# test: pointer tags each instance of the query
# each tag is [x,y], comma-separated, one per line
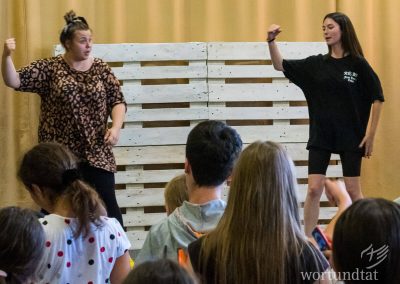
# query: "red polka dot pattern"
[60,253]
[48,244]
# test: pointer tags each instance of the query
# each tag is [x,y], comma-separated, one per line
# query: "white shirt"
[80,260]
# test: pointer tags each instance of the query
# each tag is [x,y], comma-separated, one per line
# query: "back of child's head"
[366,240]
[21,244]
[162,271]
[55,170]
[212,148]
[175,193]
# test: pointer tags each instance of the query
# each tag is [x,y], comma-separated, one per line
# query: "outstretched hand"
[9,46]
[273,32]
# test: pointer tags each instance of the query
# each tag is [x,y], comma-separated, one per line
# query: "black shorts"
[318,161]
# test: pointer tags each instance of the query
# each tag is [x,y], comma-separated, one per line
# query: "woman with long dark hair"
[340,87]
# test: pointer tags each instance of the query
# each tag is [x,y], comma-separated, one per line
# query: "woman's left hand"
[368,142]
[112,136]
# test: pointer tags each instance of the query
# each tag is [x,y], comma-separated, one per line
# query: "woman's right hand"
[273,32]
[9,46]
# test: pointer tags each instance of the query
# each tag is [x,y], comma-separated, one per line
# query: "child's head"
[50,172]
[162,271]
[366,239]
[21,243]
[212,148]
[175,193]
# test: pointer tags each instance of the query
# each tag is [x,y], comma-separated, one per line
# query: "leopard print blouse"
[75,106]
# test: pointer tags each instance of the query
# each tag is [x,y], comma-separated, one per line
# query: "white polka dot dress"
[80,260]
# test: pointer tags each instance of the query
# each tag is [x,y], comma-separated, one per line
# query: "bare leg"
[337,191]
[353,187]
[311,205]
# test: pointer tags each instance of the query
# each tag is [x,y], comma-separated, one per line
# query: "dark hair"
[73,24]
[53,168]
[212,148]
[162,271]
[349,38]
[366,226]
[21,243]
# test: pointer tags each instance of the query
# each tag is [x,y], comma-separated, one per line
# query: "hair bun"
[70,17]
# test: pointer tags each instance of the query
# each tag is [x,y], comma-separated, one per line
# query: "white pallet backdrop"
[170,87]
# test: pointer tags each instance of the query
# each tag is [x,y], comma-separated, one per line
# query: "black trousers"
[104,183]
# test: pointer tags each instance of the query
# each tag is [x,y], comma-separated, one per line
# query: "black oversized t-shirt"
[339,94]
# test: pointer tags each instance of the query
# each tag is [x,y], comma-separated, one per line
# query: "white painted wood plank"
[136,238]
[178,135]
[142,94]
[259,50]
[280,134]
[174,154]
[149,219]
[140,197]
[166,114]
[150,176]
[150,155]
[153,136]
[255,92]
[249,113]
[136,219]
[160,72]
[143,219]
[161,176]
[121,52]
[243,71]
[155,196]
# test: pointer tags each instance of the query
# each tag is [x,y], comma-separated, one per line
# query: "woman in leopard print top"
[78,93]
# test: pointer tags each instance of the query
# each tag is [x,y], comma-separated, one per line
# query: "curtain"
[36,25]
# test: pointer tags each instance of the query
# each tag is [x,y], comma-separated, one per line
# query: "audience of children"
[255,237]
[211,151]
[81,245]
[259,237]
[22,242]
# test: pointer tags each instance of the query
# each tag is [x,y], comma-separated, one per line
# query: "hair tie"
[69,176]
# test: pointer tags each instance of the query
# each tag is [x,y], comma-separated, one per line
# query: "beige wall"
[36,25]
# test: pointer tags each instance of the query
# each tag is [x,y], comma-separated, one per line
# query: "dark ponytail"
[86,206]
[73,23]
[53,168]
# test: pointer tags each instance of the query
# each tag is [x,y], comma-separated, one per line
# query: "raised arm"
[276,56]
[10,75]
